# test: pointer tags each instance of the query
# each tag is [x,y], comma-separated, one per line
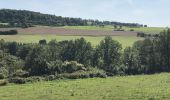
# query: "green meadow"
[124,40]
[142,87]
[151,30]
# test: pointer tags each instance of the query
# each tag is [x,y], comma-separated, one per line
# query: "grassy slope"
[145,87]
[124,40]
[110,28]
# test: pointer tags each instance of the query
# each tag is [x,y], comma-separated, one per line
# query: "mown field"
[95,40]
[151,30]
[142,87]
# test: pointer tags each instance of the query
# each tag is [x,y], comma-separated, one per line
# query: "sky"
[151,12]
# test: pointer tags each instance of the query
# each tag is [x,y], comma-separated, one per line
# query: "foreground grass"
[151,30]
[124,40]
[145,87]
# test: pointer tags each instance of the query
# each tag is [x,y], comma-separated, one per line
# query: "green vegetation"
[10,32]
[150,30]
[23,18]
[47,62]
[78,59]
[94,40]
[145,87]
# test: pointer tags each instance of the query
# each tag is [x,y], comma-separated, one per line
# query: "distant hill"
[37,18]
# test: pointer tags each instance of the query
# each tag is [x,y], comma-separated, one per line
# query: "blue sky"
[150,12]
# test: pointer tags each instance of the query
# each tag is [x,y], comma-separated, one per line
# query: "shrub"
[43,42]
[75,75]
[10,32]
[21,73]
[91,73]
[94,72]
[3,72]
[132,30]
[3,82]
[2,76]
[17,80]
[50,77]
[34,79]
[141,34]
[70,67]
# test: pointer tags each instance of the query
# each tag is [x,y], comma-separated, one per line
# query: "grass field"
[142,87]
[151,30]
[124,40]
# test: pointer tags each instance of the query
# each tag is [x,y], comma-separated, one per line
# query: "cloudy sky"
[150,12]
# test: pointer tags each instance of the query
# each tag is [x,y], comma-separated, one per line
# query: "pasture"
[144,87]
[95,40]
[151,30]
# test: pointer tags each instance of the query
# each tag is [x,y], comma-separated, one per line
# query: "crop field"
[144,87]
[45,30]
[95,40]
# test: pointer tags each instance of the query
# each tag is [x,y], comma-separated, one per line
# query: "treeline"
[78,59]
[22,17]
[145,35]
[10,32]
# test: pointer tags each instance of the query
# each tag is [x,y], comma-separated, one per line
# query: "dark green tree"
[110,53]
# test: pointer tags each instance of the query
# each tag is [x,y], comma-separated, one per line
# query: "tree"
[132,62]
[37,61]
[9,63]
[145,25]
[79,50]
[164,48]
[24,50]
[12,48]
[43,42]
[109,53]
[115,27]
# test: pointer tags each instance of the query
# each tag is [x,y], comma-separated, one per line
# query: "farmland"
[151,30]
[84,50]
[87,30]
[34,34]
[46,30]
[145,87]
[95,40]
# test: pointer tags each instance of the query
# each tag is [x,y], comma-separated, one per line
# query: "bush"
[141,34]
[91,73]
[43,42]
[10,32]
[17,80]
[94,72]
[132,30]
[2,76]
[70,67]
[50,78]
[3,72]
[3,82]
[21,73]
[34,79]
[75,75]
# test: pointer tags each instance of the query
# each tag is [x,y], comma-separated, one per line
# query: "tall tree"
[110,53]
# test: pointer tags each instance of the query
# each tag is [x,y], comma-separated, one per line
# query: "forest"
[73,59]
[24,18]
